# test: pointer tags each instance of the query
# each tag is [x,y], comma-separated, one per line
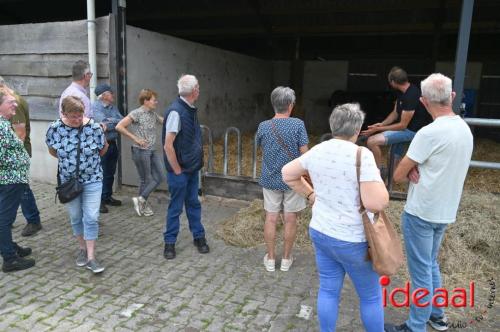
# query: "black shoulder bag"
[70,189]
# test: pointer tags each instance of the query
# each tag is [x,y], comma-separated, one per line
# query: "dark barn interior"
[371,35]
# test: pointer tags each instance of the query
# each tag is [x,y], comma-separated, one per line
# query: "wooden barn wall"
[36,59]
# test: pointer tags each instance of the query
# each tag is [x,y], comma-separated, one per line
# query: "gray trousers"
[150,169]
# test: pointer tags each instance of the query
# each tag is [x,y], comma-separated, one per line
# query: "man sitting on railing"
[407,117]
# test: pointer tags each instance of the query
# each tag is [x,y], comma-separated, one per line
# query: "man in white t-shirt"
[436,165]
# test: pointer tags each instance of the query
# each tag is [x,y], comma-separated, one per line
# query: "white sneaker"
[286,264]
[147,211]
[137,205]
[270,264]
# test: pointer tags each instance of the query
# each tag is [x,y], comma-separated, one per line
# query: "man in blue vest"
[181,137]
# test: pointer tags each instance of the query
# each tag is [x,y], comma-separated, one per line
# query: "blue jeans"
[398,136]
[183,190]
[108,163]
[422,242]
[150,169]
[84,211]
[333,259]
[29,208]
[10,198]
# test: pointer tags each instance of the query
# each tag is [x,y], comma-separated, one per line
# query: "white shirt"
[332,167]
[443,151]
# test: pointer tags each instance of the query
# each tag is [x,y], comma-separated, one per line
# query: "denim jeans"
[10,198]
[183,190]
[397,138]
[29,208]
[333,259]
[150,169]
[422,242]
[84,211]
[108,163]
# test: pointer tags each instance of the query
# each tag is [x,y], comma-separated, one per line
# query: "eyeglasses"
[89,73]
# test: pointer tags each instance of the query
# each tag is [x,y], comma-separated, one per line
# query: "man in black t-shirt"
[407,117]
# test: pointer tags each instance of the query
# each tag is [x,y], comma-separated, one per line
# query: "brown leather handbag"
[384,244]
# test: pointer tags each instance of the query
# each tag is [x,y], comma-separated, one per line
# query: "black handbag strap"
[281,141]
[77,158]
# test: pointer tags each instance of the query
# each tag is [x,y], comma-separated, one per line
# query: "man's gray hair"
[186,85]
[437,89]
[281,98]
[346,120]
[79,69]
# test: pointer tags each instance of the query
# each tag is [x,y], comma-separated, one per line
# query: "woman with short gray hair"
[282,139]
[336,227]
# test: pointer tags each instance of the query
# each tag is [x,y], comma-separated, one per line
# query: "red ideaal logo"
[458,297]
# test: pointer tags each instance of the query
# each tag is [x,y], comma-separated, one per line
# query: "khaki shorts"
[287,201]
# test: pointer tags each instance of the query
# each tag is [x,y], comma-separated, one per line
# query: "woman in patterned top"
[62,139]
[282,139]
[144,123]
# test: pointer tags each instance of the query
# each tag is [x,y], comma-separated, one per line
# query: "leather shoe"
[18,264]
[202,245]
[111,201]
[103,208]
[169,252]
[22,252]
[31,229]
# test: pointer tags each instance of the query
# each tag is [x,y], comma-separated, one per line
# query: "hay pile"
[469,251]
[484,180]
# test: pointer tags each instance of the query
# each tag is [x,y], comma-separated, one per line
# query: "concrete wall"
[36,61]
[234,88]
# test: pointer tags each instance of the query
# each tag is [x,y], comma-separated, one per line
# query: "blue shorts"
[398,136]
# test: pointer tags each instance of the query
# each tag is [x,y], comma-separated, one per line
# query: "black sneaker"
[169,252]
[202,245]
[438,323]
[103,208]
[22,252]
[393,328]
[111,201]
[31,229]
[18,264]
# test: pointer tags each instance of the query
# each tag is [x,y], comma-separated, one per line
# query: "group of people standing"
[84,140]
[435,164]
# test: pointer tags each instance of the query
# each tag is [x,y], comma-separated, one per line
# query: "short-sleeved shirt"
[332,168]
[274,156]
[64,140]
[14,160]
[443,152]
[144,125]
[410,101]
[76,90]
[23,116]
[173,124]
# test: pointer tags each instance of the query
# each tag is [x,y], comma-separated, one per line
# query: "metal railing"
[226,157]
[479,122]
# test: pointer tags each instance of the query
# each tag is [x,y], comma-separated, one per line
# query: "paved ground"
[226,290]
